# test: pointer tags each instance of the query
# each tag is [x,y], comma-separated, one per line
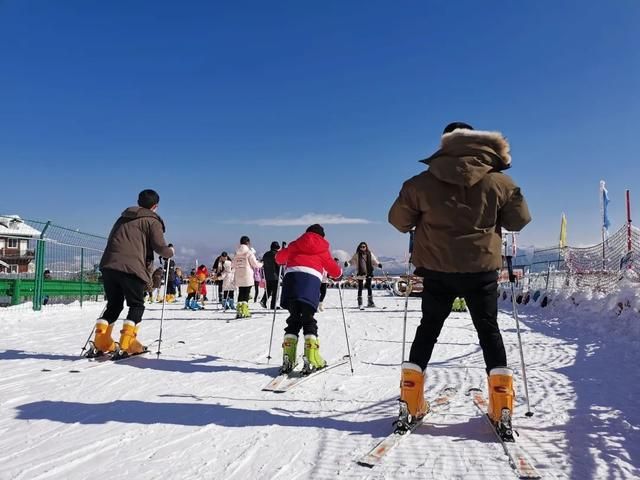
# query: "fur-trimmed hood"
[465,156]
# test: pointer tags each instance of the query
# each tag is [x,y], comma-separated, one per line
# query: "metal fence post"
[81,275]
[39,273]
[15,292]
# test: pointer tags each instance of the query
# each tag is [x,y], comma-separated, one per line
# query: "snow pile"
[617,311]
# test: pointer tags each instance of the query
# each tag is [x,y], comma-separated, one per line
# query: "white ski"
[284,383]
[377,453]
[518,457]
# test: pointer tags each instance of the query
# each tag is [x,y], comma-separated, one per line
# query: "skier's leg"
[311,343]
[369,293]
[272,287]
[437,301]
[290,342]
[115,303]
[244,294]
[133,288]
[360,285]
[294,321]
[482,301]
[256,293]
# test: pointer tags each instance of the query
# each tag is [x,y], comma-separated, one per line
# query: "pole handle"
[512,276]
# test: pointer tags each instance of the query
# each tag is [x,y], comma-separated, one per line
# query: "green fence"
[52,264]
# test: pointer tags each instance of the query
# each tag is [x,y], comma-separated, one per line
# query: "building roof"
[14,226]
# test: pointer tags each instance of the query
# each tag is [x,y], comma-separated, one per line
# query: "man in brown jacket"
[458,208]
[125,267]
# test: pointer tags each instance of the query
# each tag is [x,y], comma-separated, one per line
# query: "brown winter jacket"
[134,237]
[459,205]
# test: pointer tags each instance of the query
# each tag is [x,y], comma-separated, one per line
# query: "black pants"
[256,285]
[244,294]
[301,317]
[179,289]
[366,284]
[270,290]
[118,287]
[480,292]
[219,282]
[323,291]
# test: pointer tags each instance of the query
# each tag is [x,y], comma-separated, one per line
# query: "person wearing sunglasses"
[364,261]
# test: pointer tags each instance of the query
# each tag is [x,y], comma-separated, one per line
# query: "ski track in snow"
[198,411]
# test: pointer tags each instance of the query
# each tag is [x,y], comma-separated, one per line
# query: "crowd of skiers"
[456,210]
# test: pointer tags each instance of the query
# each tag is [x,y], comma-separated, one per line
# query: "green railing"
[64,266]
[21,290]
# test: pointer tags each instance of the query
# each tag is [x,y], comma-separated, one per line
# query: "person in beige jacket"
[125,266]
[458,208]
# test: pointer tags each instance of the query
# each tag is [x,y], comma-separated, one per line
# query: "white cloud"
[306,219]
[186,252]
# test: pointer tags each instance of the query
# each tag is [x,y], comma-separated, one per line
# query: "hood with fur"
[465,156]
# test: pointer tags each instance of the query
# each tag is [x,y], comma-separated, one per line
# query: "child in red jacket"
[306,259]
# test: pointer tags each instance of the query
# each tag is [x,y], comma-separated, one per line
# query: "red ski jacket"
[309,254]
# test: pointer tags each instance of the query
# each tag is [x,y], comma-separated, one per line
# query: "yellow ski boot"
[501,395]
[312,358]
[102,341]
[129,344]
[412,403]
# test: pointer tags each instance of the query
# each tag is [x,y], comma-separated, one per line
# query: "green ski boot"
[289,347]
[312,359]
[459,305]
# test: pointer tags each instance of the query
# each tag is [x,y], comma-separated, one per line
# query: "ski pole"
[92,332]
[275,307]
[166,280]
[407,292]
[344,322]
[88,340]
[512,280]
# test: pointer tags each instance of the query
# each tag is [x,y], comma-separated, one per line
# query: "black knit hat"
[316,228]
[455,126]
[275,246]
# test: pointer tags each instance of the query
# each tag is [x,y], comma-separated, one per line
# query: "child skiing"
[228,285]
[125,266]
[306,259]
[193,287]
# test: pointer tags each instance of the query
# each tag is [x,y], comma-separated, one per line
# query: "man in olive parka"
[458,208]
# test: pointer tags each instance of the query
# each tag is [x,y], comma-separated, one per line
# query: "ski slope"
[199,412]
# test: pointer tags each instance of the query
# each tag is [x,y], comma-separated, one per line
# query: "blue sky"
[244,111]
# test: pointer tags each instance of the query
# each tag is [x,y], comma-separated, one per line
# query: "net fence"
[44,264]
[598,268]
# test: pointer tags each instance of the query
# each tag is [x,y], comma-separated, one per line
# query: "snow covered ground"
[199,412]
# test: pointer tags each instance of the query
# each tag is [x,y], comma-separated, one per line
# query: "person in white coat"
[228,286]
[243,264]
